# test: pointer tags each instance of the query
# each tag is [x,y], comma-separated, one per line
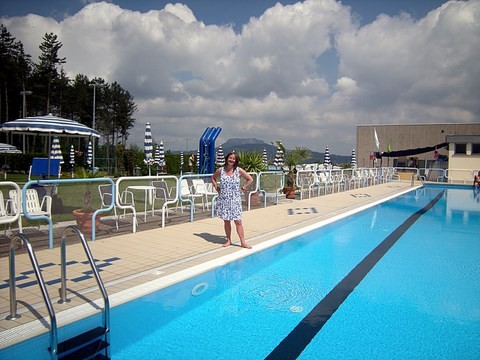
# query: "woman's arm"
[246,176]
[214,180]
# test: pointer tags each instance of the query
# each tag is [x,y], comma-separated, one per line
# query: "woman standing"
[229,203]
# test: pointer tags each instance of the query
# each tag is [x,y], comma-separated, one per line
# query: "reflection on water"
[462,205]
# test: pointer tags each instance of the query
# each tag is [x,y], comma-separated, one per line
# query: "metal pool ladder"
[94,343]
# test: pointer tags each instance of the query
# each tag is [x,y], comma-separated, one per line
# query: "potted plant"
[83,216]
[292,158]
[251,162]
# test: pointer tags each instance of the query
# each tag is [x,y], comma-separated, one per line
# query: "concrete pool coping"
[133,265]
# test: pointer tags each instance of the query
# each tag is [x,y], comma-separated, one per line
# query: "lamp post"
[24,108]
[186,145]
[94,86]
[24,94]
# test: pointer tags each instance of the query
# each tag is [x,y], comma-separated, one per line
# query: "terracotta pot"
[289,192]
[84,220]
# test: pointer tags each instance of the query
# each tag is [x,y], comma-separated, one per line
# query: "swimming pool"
[399,280]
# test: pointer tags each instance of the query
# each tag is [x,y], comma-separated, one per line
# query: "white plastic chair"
[188,193]
[205,189]
[5,217]
[164,194]
[32,204]
[105,192]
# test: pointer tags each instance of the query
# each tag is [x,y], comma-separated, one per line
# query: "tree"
[77,104]
[114,115]
[292,159]
[15,68]
[46,70]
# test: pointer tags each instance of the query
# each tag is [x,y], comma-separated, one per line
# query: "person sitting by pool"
[476,180]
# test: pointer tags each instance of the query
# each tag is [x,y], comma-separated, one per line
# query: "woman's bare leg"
[228,232]
[241,234]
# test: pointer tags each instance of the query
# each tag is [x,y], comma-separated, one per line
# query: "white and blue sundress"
[229,203]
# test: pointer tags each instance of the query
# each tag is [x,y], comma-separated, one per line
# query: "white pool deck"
[133,265]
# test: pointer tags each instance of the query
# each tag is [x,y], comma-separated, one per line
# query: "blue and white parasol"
[279,158]
[148,148]
[264,158]
[220,157]
[326,161]
[48,124]
[89,155]
[56,151]
[353,162]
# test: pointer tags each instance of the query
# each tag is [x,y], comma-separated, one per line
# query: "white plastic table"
[148,195]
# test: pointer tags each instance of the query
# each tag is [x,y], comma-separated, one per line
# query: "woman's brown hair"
[236,159]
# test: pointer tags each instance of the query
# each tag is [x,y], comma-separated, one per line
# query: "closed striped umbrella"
[353,162]
[161,150]
[181,162]
[156,158]
[148,148]
[279,159]
[220,157]
[72,159]
[198,160]
[157,155]
[56,151]
[89,154]
[326,161]
[264,158]
[72,155]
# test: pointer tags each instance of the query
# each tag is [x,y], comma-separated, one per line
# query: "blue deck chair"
[39,168]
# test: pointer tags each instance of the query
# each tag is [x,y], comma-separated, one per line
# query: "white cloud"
[265,82]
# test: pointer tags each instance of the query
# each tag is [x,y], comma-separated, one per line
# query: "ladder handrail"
[41,283]
[101,286]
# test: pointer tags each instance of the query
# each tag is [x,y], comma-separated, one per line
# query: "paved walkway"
[132,265]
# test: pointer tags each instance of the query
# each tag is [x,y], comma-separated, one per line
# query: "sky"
[306,73]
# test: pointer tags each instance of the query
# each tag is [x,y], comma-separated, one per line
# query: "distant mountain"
[252,144]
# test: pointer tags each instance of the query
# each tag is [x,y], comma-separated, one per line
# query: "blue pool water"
[418,293]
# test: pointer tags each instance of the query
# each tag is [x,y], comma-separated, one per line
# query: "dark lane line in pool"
[294,343]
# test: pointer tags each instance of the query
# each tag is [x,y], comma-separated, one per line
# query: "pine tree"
[46,70]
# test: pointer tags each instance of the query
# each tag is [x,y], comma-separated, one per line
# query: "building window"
[475,148]
[460,148]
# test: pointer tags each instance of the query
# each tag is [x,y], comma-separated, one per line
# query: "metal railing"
[58,182]
[41,283]
[93,266]
[271,184]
